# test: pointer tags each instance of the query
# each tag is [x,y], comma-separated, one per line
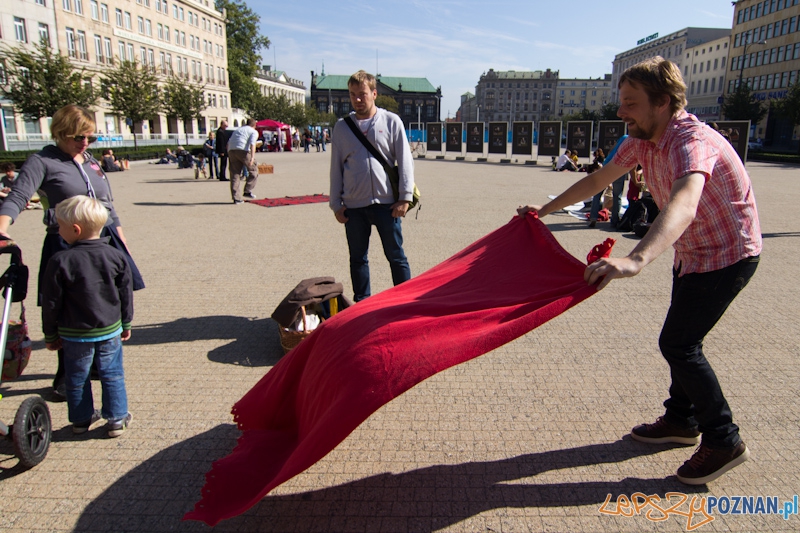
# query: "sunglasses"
[81,138]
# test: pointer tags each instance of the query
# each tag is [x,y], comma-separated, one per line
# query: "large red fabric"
[495,290]
[291,200]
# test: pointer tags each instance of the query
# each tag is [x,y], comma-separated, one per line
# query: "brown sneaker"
[707,464]
[662,432]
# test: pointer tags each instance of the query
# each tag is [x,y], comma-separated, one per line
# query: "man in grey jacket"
[361,194]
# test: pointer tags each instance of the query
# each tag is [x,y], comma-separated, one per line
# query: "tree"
[132,92]
[609,111]
[387,102]
[742,105]
[789,106]
[243,47]
[183,101]
[42,81]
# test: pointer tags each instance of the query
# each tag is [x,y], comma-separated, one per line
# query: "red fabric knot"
[600,250]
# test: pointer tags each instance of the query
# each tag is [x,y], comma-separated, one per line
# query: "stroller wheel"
[31,432]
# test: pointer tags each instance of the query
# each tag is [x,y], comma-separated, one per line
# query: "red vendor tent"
[274,125]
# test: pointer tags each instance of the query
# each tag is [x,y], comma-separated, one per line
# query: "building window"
[82,52]
[94,9]
[20,31]
[148,28]
[118,15]
[71,43]
[44,34]
[104,13]
[167,34]
[41,3]
[79,7]
[67,5]
[98,49]
[140,24]
[131,57]
[128,24]
[108,49]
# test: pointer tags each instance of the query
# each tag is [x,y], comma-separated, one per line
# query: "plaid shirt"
[726,228]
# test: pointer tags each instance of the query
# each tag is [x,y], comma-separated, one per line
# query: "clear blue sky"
[453,42]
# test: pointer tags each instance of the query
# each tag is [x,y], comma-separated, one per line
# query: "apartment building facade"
[576,94]
[186,38]
[509,96]
[704,72]
[672,46]
[765,54]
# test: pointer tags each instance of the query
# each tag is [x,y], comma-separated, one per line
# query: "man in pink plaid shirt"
[708,215]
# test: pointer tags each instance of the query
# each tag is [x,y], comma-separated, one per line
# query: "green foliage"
[609,111]
[243,48]
[183,100]
[583,114]
[388,103]
[132,92]
[742,105]
[42,81]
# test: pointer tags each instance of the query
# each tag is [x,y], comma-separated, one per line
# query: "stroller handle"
[8,246]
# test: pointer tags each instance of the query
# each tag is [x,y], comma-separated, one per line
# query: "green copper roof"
[415,85]
[333,82]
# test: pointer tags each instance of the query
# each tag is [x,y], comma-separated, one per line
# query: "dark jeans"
[358,229]
[223,166]
[695,397]
[597,201]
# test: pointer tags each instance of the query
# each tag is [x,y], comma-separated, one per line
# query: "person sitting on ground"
[109,162]
[8,169]
[89,323]
[565,162]
[185,159]
[169,157]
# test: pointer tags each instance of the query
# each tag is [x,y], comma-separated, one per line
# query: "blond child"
[87,308]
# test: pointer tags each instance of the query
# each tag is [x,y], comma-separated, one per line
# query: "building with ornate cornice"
[509,95]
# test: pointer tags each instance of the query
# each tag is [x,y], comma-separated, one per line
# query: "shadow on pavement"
[154,496]
[254,342]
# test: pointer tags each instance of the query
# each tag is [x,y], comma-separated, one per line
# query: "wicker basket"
[265,169]
[291,338]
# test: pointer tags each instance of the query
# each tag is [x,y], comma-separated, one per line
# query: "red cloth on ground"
[495,290]
[291,200]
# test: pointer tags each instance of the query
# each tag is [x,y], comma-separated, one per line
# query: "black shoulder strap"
[368,145]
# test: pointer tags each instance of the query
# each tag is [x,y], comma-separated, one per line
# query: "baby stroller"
[32,428]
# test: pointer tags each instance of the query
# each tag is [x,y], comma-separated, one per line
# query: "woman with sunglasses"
[60,172]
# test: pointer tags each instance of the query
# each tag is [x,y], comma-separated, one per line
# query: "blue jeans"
[695,397]
[597,201]
[78,358]
[358,229]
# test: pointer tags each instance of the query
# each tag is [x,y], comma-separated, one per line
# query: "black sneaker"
[237,202]
[707,464]
[249,195]
[115,429]
[662,432]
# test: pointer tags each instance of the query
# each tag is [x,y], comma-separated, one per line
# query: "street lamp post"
[744,57]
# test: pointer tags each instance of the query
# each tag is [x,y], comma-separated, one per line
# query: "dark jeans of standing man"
[695,397]
[223,167]
[358,229]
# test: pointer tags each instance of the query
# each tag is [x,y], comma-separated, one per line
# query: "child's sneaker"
[83,427]
[115,429]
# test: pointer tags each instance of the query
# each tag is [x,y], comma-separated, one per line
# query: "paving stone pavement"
[530,437]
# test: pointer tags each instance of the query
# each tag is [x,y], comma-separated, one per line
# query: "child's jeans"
[78,357]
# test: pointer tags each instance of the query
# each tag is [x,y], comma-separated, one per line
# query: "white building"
[704,72]
[277,83]
[186,38]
